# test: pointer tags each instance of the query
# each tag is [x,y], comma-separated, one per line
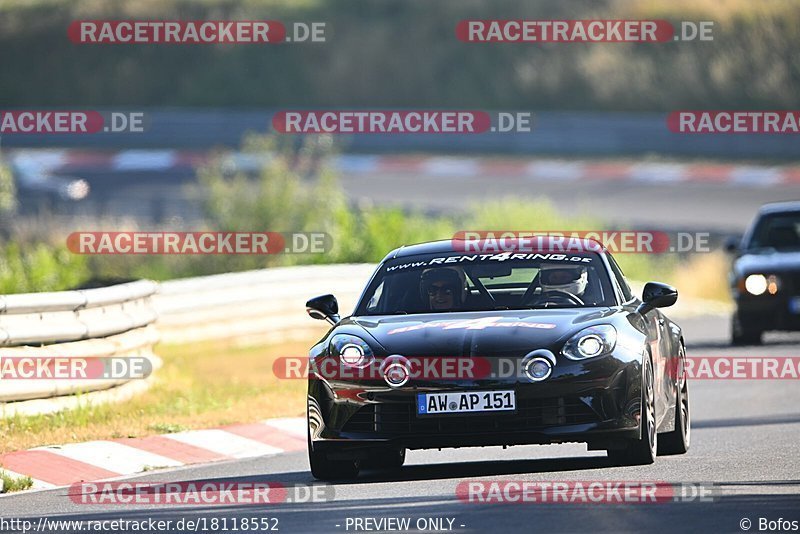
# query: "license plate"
[466,402]
[794,304]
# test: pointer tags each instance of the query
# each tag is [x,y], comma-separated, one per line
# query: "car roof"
[779,207]
[451,245]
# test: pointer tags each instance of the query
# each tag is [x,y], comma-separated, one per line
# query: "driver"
[572,279]
[443,288]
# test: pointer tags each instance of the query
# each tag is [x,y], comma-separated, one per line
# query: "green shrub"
[9,483]
[29,267]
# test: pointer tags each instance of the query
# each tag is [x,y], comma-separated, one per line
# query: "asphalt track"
[744,442]
[701,206]
[697,206]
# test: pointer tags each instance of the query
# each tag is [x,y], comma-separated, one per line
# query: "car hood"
[497,333]
[767,262]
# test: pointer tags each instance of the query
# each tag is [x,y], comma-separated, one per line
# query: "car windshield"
[482,282]
[779,231]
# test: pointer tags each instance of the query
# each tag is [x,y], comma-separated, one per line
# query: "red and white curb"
[65,161]
[62,465]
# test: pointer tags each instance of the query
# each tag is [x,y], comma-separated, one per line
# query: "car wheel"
[677,441]
[744,335]
[323,468]
[389,459]
[641,451]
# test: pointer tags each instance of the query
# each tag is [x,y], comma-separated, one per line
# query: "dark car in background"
[765,275]
[594,364]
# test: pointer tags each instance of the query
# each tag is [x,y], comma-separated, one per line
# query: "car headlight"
[351,350]
[758,284]
[591,342]
[755,284]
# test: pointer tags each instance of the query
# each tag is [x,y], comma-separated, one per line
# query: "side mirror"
[657,295]
[731,245]
[325,308]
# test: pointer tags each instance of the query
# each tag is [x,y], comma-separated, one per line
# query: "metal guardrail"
[114,321]
[134,343]
[254,306]
[46,318]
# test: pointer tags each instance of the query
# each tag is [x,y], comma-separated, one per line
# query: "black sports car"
[765,278]
[562,352]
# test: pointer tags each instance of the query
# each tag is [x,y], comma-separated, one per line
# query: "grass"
[703,276]
[167,428]
[200,386]
[13,483]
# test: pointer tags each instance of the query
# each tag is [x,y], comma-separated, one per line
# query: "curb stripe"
[152,160]
[603,171]
[138,160]
[294,426]
[112,456]
[708,172]
[181,452]
[52,468]
[265,434]
[444,166]
[556,171]
[657,172]
[758,176]
[55,466]
[223,442]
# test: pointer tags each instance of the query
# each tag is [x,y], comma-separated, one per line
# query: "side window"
[376,298]
[627,294]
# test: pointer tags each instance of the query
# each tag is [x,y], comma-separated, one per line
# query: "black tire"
[389,459]
[678,441]
[641,451]
[323,468]
[744,335]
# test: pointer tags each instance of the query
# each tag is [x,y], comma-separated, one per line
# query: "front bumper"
[596,402]
[768,312]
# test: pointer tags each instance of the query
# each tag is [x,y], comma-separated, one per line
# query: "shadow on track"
[747,421]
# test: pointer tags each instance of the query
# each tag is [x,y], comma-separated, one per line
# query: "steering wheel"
[556,295]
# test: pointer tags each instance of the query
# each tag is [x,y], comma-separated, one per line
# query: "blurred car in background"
[765,275]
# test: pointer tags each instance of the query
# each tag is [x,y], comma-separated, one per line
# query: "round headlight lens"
[590,346]
[591,342]
[351,350]
[755,284]
[352,355]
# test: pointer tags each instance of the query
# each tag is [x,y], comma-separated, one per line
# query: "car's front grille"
[401,418]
